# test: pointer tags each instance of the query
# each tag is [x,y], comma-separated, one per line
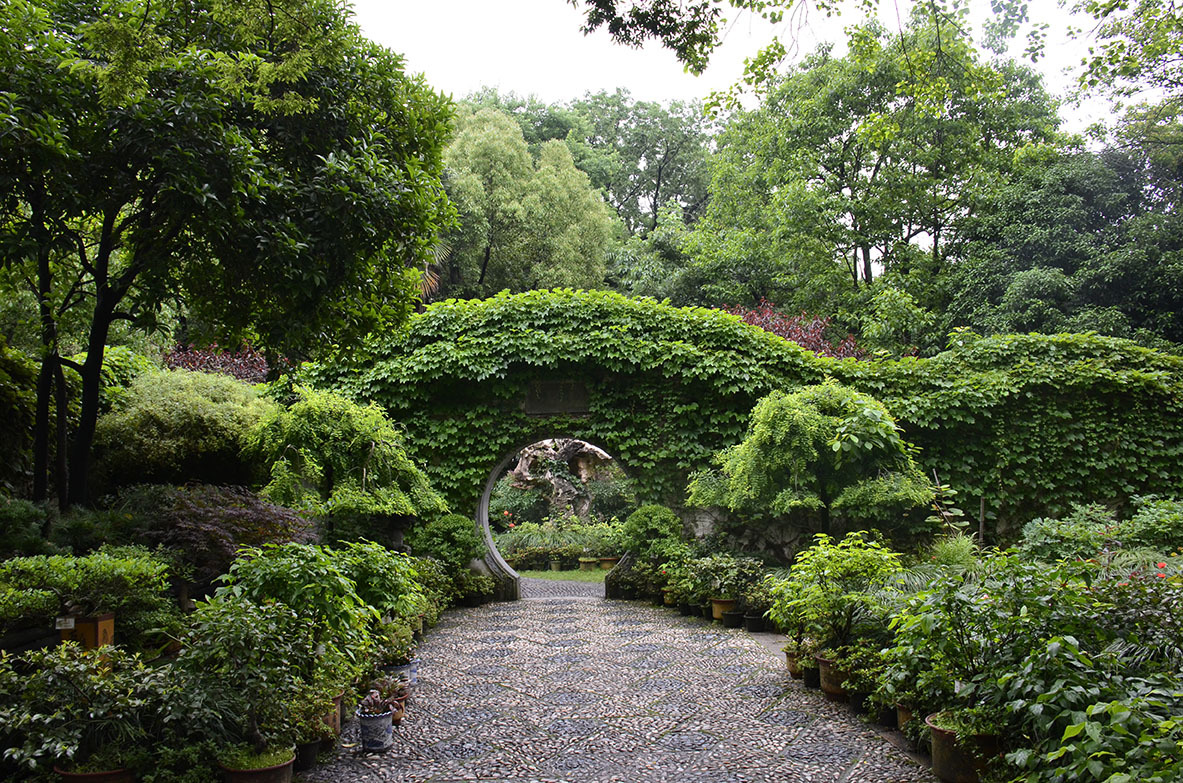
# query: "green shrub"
[314,581]
[252,659]
[177,426]
[1157,524]
[822,456]
[649,531]
[1080,535]
[73,707]
[128,581]
[452,539]
[386,581]
[22,528]
[341,462]
[838,592]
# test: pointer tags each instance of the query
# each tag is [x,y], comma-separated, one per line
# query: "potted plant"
[253,659]
[312,731]
[89,713]
[964,742]
[756,602]
[375,717]
[475,589]
[394,690]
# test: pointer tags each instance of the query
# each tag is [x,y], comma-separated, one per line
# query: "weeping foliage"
[336,459]
[825,453]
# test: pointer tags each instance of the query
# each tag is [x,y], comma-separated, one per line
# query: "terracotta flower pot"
[279,773]
[960,760]
[608,563]
[721,605]
[793,661]
[831,679]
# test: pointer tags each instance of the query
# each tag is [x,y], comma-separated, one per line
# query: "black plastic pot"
[812,678]
[686,609]
[708,613]
[753,623]
[306,753]
[732,619]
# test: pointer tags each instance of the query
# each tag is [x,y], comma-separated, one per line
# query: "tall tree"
[1075,241]
[643,155]
[523,224]
[260,160]
[858,168]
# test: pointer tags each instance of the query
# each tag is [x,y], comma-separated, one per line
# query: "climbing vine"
[1031,423]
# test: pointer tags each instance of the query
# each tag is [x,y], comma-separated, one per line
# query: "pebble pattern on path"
[586,690]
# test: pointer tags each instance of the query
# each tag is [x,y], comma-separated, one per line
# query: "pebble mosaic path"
[580,689]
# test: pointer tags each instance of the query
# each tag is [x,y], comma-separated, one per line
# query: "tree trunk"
[61,472]
[80,456]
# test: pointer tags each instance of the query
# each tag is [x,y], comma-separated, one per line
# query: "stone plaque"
[550,398]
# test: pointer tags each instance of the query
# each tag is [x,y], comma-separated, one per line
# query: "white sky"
[535,47]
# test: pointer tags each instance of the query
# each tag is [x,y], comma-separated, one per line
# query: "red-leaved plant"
[808,331]
[245,364]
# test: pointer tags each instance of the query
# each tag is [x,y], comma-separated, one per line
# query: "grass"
[567,576]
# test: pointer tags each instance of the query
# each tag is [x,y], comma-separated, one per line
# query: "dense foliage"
[824,456]
[178,426]
[343,463]
[669,387]
[144,161]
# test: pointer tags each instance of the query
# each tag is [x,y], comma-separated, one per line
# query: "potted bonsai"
[89,713]
[253,658]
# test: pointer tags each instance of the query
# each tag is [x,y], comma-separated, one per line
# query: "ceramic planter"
[608,563]
[667,597]
[721,605]
[377,731]
[793,661]
[588,563]
[556,565]
[830,678]
[962,760]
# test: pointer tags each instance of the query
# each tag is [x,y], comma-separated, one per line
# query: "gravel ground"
[586,690]
[554,588]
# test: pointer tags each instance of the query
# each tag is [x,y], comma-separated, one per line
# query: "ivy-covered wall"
[1033,423]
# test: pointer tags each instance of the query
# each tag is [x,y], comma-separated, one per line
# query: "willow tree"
[259,161]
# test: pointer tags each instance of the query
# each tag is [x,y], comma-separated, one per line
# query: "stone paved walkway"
[588,690]
[560,588]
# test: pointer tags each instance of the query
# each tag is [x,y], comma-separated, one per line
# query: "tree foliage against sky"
[524,222]
[256,159]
